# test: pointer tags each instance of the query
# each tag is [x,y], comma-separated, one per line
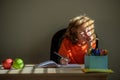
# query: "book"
[47,64]
[52,64]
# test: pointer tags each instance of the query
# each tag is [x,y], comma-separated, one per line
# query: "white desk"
[29,72]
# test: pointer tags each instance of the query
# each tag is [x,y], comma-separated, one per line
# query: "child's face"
[86,31]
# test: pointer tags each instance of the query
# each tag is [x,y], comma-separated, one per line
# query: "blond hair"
[76,22]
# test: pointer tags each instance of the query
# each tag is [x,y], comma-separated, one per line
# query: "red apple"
[7,63]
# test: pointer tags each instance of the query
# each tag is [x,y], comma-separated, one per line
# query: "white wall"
[27,26]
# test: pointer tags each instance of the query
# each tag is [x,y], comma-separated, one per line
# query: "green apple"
[18,63]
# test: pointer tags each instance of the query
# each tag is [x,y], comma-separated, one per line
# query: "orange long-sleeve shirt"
[74,52]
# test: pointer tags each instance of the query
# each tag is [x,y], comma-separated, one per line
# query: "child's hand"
[64,61]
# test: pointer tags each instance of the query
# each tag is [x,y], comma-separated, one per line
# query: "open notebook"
[52,64]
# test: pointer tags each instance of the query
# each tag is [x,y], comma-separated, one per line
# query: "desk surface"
[31,69]
[30,72]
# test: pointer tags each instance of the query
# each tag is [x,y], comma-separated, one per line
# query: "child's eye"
[87,29]
[89,33]
[82,33]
